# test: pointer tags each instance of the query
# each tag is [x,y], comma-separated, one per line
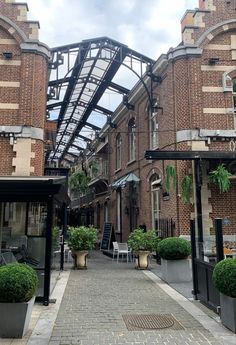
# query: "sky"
[150,27]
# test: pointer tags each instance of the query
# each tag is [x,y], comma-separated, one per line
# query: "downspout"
[176,165]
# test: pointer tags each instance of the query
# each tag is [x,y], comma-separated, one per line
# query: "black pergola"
[50,190]
[190,155]
[80,75]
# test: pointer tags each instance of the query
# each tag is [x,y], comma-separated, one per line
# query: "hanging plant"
[186,186]
[170,178]
[220,177]
[94,166]
[78,181]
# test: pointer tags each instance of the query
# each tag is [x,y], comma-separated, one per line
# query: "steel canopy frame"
[190,155]
[80,74]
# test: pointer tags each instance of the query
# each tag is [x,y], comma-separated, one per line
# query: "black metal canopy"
[190,155]
[80,75]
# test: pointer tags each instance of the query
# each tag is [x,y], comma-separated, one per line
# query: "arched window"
[118,152]
[132,139]
[155,194]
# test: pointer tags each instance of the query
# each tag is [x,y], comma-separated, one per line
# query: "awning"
[190,155]
[121,182]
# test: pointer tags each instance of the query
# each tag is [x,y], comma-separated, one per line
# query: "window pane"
[37,219]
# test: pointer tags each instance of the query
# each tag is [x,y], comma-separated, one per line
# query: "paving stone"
[95,300]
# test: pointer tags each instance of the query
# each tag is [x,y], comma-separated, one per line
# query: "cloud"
[149,26]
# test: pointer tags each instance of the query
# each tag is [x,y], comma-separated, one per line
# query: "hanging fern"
[220,177]
[187,186]
[78,181]
[170,177]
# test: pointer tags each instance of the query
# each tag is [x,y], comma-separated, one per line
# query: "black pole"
[63,234]
[193,246]
[198,179]
[48,250]
[219,239]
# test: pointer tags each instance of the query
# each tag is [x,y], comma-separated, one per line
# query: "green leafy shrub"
[18,283]
[140,240]
[174,248]
[224,277]
[82,237]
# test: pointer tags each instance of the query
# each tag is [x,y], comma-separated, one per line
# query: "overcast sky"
[149,26]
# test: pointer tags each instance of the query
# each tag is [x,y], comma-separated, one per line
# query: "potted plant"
[80,240]
[18,285]
[224,279]
[143,243]
[175,266]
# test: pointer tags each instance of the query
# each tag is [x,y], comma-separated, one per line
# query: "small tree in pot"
[143,243]
[18,285]
[224,278]
[175,266]
[81,239]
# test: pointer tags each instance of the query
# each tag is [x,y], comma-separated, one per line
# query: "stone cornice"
[183,51]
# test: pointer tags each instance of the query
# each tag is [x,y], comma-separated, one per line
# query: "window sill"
[131,162]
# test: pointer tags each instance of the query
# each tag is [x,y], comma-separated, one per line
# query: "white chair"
[7,258]
[67,254]
[123,249]
[115,249]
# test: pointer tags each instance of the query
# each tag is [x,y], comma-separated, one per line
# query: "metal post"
[48,250]
[198,179]
[63,234]
[193,246]
[219,239]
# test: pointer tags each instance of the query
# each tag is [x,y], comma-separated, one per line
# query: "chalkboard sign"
[106,237]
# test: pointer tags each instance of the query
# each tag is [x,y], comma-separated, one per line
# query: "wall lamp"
[8,55]
[110,123]
[155,78]
[213,61]
[128,105]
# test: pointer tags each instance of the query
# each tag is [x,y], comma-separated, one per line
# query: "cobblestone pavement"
[95,301]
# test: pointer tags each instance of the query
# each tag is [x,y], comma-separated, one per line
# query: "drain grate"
[151,322]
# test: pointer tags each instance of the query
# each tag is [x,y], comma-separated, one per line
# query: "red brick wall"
[31,72]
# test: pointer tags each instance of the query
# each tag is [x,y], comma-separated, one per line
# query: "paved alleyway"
[97,301]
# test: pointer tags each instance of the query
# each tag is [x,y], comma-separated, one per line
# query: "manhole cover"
[152,321]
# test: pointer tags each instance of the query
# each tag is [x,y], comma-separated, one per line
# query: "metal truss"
[80,75]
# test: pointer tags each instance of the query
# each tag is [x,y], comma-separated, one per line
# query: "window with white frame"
[234,95]
[118,152]
[155,194]
[132,139]
[118,210]
[153,128]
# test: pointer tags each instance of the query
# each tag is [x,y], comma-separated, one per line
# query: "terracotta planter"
[15,318]
[80,258]
[142,261]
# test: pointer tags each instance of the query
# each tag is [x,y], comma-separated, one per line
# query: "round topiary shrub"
[174,248]
[18,283]
[224,277]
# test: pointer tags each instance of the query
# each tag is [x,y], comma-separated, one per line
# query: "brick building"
[193,110]
[23,90]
